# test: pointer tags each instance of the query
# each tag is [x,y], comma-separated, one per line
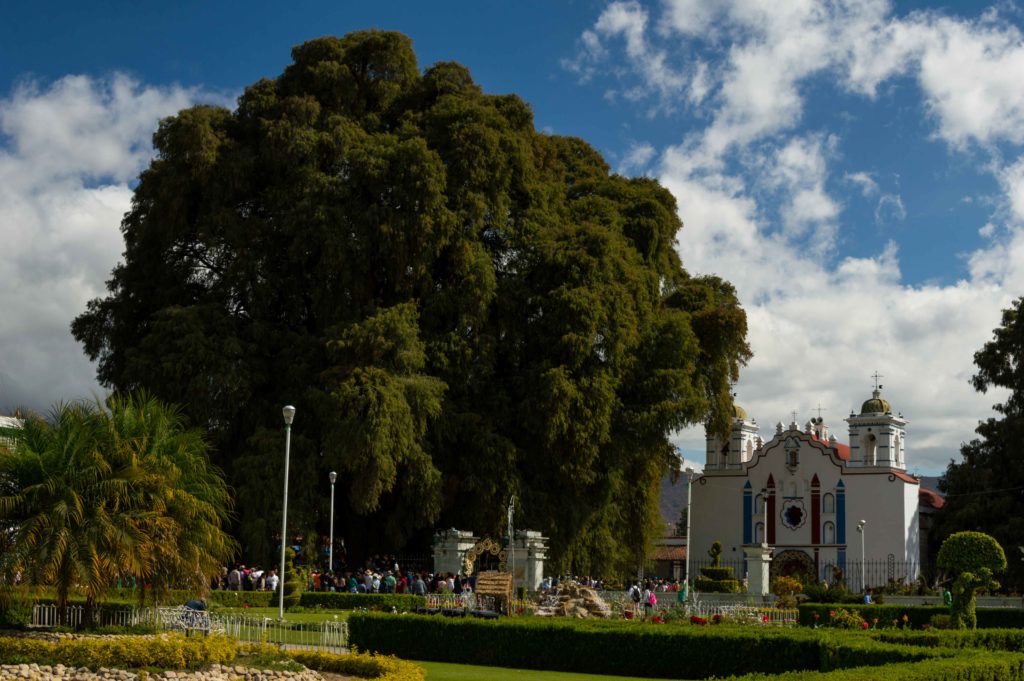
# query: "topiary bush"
[293,582]
[976,556]
[715,578]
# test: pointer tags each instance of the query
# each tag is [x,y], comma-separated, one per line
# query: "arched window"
[828,503]
[897,446]
[869,447]
[794,490]
[758,504]
[750,449]
[828,533]
[759,533]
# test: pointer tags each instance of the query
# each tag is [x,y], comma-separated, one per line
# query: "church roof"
[906,477]
[876,405]
[842,451]
[930,498]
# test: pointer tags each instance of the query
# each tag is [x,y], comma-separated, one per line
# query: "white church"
[806,494]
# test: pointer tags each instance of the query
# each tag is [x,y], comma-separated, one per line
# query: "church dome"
[739,412]
[876,405]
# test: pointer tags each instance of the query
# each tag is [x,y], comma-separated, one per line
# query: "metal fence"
[45,615]
[331,635]
[748,614]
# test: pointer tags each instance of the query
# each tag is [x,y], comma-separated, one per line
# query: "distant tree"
[681,523]
[975,556]
[95,493]
[984,489]
[459,306]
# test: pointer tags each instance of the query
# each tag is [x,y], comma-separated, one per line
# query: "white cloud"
[637,157]
[867,184]
[754,195]
[890,207]
[68,152]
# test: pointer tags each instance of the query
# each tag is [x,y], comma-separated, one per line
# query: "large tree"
[96,493]
[985,489]
[460,307]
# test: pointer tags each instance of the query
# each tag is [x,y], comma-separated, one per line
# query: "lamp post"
[860,529]
[333,477]
[689,518]
[289,416]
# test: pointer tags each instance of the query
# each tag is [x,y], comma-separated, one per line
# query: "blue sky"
[854,166]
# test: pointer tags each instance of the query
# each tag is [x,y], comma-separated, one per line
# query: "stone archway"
[484,549]
[792,563]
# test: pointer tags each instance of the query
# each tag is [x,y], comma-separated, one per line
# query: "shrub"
[171,651]
[786,589]
[377,667]
[717,573]
[337,600]
[720,586]
[975,555]
[671,651]
[848,619]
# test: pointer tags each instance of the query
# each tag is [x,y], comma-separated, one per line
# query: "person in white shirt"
[272,580]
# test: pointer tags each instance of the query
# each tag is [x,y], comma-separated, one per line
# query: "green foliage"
[716,586]
[973,666]
[971,552]
[347,601]
[615,647]
[981,485]
[171,651]
[98,492]
[293,582]
[918,616]
[430,281]
[362,665]
[975,556]
[715,578]
[786,589]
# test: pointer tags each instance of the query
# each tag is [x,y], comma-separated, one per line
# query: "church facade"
[813,499]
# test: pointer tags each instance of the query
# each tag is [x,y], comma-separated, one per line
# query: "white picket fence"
[329,635]
[779,617]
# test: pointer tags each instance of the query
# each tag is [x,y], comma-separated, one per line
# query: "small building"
[815,500]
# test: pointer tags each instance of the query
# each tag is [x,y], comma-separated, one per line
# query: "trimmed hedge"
[716,586]
[972,666]
[917,615]
[375,667]
[1010,640]
[171,651]
[617,647]
[339,600]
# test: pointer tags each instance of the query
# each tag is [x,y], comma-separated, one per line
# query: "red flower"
[817,616]
[831,613]
[864,625]
[765,619]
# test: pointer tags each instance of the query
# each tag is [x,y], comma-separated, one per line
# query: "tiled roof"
[930,498]
[669,553]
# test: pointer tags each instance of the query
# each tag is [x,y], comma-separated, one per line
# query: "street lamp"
[289,416]
[333,478]
[689,518]
[863,558]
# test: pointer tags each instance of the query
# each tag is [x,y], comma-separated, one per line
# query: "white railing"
[746,614]
[329,635]
[45,615]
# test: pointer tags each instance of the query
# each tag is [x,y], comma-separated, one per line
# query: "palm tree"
[96,492]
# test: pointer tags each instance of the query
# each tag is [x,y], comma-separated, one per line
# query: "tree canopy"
[460,307]
[985,489]
[96,493]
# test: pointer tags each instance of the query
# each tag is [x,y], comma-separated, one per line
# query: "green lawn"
[444,671]
[313,616]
